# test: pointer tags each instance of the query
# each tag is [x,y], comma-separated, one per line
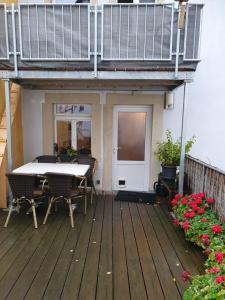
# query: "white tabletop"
[42,168]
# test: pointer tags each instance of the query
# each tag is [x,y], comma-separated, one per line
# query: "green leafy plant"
[168,152]
[202,227]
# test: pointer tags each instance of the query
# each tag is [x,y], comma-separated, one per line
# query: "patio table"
[62,168]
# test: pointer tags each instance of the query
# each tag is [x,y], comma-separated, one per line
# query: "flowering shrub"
[202,227]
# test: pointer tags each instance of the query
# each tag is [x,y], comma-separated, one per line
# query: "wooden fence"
[202,177]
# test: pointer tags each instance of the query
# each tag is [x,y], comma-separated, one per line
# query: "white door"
[131,148]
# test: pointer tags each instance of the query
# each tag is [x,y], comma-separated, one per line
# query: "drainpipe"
[9,132]
[102,103]
[183,140]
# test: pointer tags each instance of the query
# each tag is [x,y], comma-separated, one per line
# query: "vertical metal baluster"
[146,9]
[128,30]
[153,35]
[37,25]
[196,10]
[28,14]
[119,31]
[137,31]
[71,31]
[79,35]
[162,31]
[62,11]
[46,34]
[111,34]
[54,30]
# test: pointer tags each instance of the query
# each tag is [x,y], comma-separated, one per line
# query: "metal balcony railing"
[110,32]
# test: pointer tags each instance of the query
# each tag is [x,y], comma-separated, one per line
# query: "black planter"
[169,172]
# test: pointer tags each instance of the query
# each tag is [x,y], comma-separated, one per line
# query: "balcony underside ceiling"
[95,84]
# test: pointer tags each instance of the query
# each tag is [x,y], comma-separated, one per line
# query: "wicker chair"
[46,159]
[86,160]
[62,188]
[23,189]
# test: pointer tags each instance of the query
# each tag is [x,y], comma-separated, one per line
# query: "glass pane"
[71,109]
[131,136]
[63,134]
[84,135]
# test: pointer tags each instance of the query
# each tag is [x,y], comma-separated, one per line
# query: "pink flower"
[220,279]
[185,276]
[210,200]
[214,270]
[186,226]
[219,257]
[216,229]
[185,215]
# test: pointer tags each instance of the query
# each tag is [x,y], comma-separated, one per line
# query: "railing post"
[14,41]
[96,42]
[183,140]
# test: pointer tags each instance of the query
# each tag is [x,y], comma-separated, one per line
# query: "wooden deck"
[118,251]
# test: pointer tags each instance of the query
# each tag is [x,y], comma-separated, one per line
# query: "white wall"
[206,100]
[32,124]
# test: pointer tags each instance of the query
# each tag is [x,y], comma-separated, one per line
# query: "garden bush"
[201,226]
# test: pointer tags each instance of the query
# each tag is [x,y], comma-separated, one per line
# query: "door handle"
[115,149]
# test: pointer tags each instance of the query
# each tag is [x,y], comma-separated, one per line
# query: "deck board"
[117,251]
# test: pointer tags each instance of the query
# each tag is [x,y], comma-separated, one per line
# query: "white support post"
[183,140]
[8,124]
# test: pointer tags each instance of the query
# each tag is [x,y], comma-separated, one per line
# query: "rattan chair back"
[60,185]
[85,160]
[46,159]
[22,185]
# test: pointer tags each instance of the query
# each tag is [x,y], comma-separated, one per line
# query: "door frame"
[148,135]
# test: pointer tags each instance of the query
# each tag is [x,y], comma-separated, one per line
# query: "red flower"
[219,257]
[203,220]
[205,239]
[191,215]
[201,195]
[201,211]
[220,279]
[185,276]
[194,206]
[214,270]
[210,200]
[185,215]
[176,222]
[178,196]
[186,226]
[174,202]
[198,201]
[184,200]
[216,229]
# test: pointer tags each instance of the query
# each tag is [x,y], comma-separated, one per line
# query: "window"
[73,126]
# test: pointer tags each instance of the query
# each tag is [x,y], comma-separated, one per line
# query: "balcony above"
[111,42]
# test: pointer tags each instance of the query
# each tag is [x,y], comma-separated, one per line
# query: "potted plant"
[67,154]
[168,153]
